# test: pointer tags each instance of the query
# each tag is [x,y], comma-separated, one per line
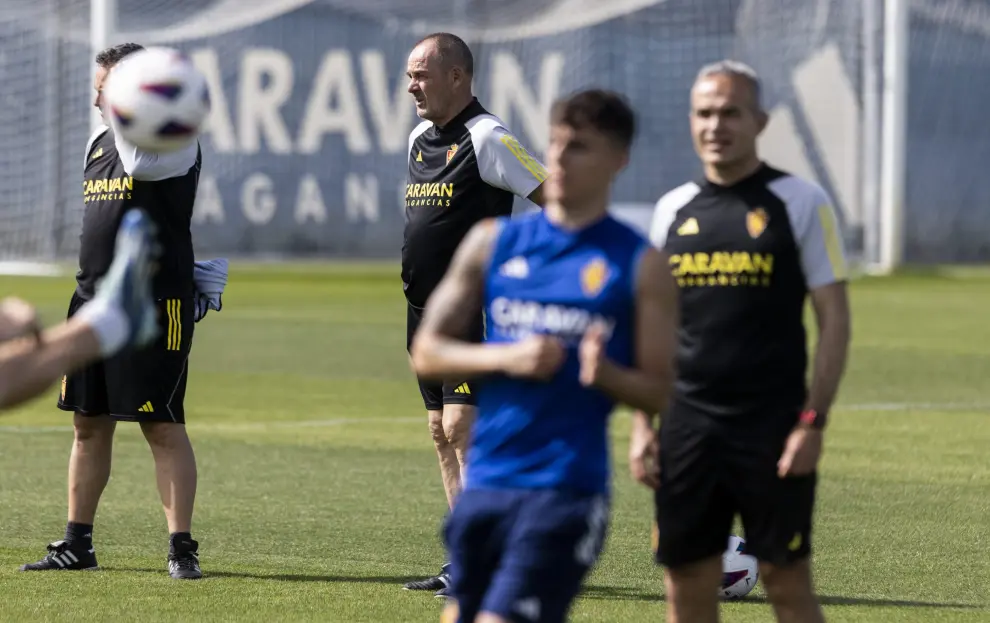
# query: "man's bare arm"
[537,196]
[831,305]
[436,350]
[647,385]
[18,318]
[28,368]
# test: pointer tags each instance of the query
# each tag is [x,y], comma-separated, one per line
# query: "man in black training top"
[743,433]
[464,166]
[145,385]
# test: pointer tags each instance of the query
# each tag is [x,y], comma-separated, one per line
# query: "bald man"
[464,166]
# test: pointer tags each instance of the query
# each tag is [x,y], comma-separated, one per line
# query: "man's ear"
[457,75]
[623,161]
[762,119]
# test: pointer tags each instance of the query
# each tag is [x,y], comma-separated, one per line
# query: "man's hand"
[801,452]
[592,354]
[644,454]
[18,318]
[536,357]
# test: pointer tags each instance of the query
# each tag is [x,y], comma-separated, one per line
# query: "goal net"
[305,151]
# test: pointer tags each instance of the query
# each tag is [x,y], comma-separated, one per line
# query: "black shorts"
[452,392]
[710,470]
[146,385]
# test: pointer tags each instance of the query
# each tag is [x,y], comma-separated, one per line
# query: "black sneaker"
[445,592]
[184,565]
[63,557]
[436,583]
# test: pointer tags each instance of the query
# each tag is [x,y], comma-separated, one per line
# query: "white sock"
[108,321]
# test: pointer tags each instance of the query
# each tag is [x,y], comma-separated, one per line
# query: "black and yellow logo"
[593,277]
[462,389]
[97,153]
[110,189]
[722,268]
[429,194]
[756,222]
[146,408]
[795,543]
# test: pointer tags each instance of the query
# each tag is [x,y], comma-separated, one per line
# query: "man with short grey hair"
[748,244]
[735,69]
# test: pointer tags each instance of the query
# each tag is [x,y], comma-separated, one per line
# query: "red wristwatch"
[813,419]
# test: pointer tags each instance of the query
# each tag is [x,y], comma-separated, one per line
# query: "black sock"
[181,542]
[79,535]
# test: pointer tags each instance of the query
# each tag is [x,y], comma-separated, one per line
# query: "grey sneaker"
[62,556]
[435,583]
[184,565]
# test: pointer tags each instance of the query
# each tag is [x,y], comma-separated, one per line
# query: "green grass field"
[320,493]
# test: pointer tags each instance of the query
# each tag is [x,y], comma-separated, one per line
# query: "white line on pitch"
[329,422]
[309,423]
[915,406]
[242,426]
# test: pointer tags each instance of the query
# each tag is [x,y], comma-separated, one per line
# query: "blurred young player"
[463,166]
[121,314]
[747,244]
[581,315]
[143,385]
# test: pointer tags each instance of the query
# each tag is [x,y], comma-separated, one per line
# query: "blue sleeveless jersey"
[544,279]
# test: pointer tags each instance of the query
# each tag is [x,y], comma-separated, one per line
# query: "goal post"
[102,26]
[893,157]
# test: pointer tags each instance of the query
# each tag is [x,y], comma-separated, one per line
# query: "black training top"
[118,177]
[745,257]
[459,174]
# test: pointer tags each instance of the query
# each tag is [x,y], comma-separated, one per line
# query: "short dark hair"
[114,54]
[605,111]
[451,50]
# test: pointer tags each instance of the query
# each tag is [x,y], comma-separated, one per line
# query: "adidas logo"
[419,157]
[528,608]
[462,389]
[795,543]
[516,267]
[65,559]
[147,408]
[689,228]
[97,154]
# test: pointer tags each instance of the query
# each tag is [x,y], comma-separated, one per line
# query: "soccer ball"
[740,571]
[157,100]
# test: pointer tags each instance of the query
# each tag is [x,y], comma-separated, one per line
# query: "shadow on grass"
[629,594]
[286,577]
[617,593]
[835,600]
